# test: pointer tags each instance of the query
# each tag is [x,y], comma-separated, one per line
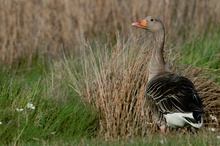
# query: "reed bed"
[49,28]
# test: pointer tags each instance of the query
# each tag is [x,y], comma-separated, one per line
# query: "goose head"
[156,27]
[150,23]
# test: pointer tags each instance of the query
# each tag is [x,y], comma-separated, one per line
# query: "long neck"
[157,64]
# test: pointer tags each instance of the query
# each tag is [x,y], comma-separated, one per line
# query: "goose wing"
[174,93]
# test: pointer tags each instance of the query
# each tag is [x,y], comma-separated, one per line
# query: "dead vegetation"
[50,27]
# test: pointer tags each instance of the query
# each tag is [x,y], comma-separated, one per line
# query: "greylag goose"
[172,99]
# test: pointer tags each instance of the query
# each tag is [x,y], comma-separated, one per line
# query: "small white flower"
[213,117]
[52,133]
[0,123]
[212,129]
[31,106]
[218,137]
[19,109]
[161,141]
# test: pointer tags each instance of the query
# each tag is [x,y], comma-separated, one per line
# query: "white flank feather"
[178,120]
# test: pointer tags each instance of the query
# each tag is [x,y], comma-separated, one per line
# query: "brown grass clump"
[47,28]
[114,84]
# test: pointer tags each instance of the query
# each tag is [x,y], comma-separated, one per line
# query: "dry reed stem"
[41,27]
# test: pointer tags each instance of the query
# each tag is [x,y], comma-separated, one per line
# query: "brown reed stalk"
[41,27]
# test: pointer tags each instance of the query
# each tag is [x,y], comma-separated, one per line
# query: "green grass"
[51,119]
[203,138]
[202,51]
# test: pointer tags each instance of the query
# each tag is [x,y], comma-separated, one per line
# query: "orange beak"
[140,24]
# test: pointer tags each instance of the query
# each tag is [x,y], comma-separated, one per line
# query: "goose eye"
[152,20]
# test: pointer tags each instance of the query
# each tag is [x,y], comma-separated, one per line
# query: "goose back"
[172,93]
